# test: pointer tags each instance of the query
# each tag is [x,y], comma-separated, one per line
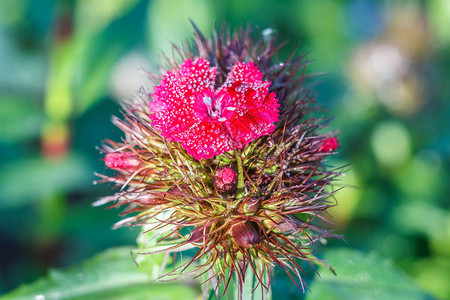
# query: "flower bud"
[250,206]
[150,200]
[287,226]
[197,235]
[122,160]
[244,234]
[329,144]
[225,179]
[281,225]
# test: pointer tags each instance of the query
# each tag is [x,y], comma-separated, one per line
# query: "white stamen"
[207,100]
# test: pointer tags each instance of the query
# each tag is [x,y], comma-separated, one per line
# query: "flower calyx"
[249,207]
[244,234]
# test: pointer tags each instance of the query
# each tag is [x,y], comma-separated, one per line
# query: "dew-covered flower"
[222,156]
[207,121]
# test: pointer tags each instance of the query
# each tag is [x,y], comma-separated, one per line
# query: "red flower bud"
[150,200]
[329,144]
[282,225]
[197,235]
[244,234]
[225,179]
[122,160]
[286,226]
[250,206]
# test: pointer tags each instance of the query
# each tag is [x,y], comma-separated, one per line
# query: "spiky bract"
[269,218]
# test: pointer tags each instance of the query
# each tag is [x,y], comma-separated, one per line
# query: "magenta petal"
[205,140]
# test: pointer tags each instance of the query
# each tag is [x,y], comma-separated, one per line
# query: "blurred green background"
[65,65]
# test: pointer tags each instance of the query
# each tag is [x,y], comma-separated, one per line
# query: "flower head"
[188,108]
[223,157]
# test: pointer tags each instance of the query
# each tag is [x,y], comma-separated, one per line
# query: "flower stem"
[240,184]
[250,289]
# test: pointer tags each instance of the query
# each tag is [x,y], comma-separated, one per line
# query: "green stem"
[248,291]
[240,185]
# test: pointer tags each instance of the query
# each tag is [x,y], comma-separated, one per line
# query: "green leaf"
[94,16]
[362,277]
[168,24]
[109,275]
[25,181]
[21,119]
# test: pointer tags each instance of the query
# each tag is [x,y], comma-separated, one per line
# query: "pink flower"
[329,144]
[207,121]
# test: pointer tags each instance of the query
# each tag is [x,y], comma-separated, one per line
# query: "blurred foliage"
[109,275]
[361,276]
[65,64]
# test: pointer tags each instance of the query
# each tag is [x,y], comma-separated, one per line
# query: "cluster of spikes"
[247,210]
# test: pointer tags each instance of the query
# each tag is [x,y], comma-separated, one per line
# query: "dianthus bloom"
[207,122]
[223,157]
